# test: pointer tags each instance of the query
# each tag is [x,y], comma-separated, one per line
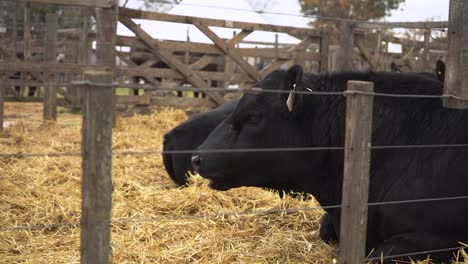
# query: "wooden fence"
[98,101]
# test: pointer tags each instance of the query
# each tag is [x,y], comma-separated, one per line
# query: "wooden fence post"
[96,169]
[2,99]
[356,173]
[50,92]
[425,58]
[26,41]
[344,56]
[456,77]
[324,49]
[106,39]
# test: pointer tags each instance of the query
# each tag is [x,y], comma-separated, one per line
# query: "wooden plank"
[456,77]
[279,62]
[407,59]
[365,54]
[324,49]
[173,46]
[88,3]
[75,94]
[148,63]
[27,32]
[356,173]
[50,92]
[419,25]
[134,100]
[79,69]
[96,170]
[124,56]
[228,50]
[203,62]
[106,39]
[14,39]
[140,14]
[2,100]
[207,58]
[174,63]
[239,37]
[50,67]
[27,53]
[344,61]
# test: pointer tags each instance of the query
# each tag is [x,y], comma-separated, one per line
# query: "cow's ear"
[294,83]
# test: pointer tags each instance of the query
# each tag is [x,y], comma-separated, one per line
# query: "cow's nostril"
[196,160]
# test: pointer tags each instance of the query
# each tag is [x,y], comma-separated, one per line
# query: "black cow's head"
[265,120]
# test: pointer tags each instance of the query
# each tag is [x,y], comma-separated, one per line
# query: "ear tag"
[291,99]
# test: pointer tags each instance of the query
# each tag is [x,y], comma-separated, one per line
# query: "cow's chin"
[220,182]
[220,185]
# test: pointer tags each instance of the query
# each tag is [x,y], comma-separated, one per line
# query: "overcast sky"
[411,10]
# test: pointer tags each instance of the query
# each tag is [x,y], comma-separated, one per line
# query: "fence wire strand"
[319,17]
[241,150]
[254,90]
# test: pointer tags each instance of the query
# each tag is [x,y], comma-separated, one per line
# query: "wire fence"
[223,214]
[219,215]
[253,90]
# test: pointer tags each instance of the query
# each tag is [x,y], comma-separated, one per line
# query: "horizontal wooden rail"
[178,46]
[420,25]
[88,3]
[140,14]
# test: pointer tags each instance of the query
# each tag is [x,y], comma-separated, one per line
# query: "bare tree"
[154,5]
[261,5]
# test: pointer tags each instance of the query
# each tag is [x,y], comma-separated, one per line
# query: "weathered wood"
[14,39]
[174,63]
[344,59]
[50,67]
[50,92]
[456,76]
[228,50]
[419,25]
[365,54]
[237,38]
[324,49]
[140,14]
[106,39]
[27,32]
[2,99]
[27,53]
[134,100]
[174,46]
[203,62]
[127,71]
[96,170]
[424,60]
[356,173]
[406,59]
[75,94]
[88,3]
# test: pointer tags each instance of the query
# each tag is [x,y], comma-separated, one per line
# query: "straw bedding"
[153,221]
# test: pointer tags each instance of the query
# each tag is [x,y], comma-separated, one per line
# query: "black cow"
[266,121]
[188,136]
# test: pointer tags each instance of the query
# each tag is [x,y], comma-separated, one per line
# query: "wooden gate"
[188,63]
